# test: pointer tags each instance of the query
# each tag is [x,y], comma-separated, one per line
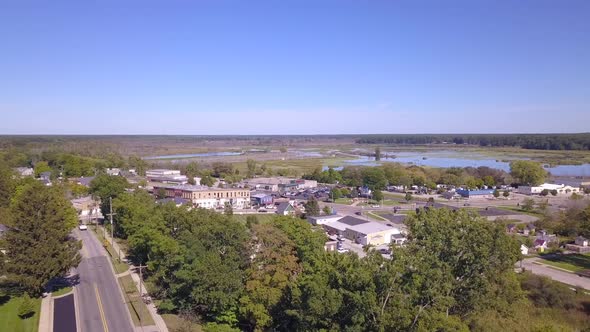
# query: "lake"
[446,159]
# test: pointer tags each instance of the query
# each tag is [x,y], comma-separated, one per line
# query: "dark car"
[358,213]
[385,251]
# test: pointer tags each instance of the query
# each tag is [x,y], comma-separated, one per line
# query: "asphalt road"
[63,313]
[100,303]
[561,276]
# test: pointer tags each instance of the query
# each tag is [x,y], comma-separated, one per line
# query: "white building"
[321,220]
[171,176]
[364,232]
[535,190]
[114,171]
[524,250]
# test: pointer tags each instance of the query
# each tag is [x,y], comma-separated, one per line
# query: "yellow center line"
[102,316]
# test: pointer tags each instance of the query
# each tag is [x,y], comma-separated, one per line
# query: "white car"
[342,250]
[83,227]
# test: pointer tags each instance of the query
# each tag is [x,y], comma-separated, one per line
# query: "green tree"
[408,196]
[40,167]
[251,168]
[345,192]
[273,269]
[528,172]
[377,153]
[544,192]
[374,178]
[7,187]
[327,210]
[228,210]
[251,221]
[207,180]
[161,193]
[336,193]
[496,193]
[378,195]
[27,307]
[138,164]
[489,181]
[506,193]
[312,208]
[554,192]
[38,243]
[528,204]
[104,187]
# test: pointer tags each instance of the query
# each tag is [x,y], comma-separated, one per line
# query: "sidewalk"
[46,314]
[160,324]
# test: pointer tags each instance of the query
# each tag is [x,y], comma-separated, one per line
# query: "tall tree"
[40,167]
[528,172]
[104,187]
[273,268]
[251,168]
[377,153]
[38,243]
[312,208]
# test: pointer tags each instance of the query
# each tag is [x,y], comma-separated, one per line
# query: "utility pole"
[111,214]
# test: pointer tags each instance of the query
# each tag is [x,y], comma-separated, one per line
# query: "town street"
[98,297]
[557,275]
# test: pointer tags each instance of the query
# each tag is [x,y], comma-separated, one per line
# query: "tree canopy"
[528,172]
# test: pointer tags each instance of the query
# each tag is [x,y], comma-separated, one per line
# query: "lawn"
[9,320]
[136,306]
[176,323]
[61,291]
[343,200]
[572,262]
[119,266]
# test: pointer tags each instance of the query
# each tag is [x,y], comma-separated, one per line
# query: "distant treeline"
[525,141]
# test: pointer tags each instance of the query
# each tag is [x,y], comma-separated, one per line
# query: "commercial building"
[206,197]
[280,184]
[261,199]
[363,231]
[560,188]
[475,193]
[170,176]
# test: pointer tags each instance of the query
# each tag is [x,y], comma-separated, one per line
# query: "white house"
[25,171]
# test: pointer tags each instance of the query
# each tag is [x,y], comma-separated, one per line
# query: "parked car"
[358,213]
[83,227]
[342,250]
[385,251]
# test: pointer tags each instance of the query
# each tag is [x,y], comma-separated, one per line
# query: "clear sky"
[294,67]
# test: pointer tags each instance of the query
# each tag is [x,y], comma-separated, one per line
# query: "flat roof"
[190,187]
[352,221]
[372,227]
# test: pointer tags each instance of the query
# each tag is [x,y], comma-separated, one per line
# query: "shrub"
[26,308]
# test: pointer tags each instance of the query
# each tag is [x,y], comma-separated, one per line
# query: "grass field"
[176,323]
[343,200]
[520,211]
[9,320]
[136,306]
[119,266]
[572,262]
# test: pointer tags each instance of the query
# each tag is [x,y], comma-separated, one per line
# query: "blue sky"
[294,67]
